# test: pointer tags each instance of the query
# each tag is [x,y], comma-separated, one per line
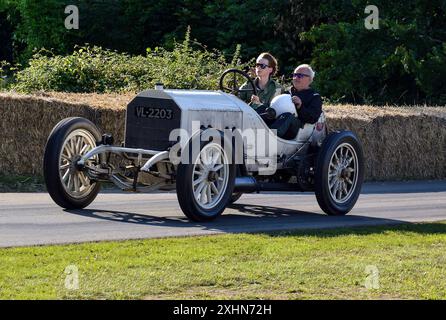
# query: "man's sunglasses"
[299,75]
[261,65]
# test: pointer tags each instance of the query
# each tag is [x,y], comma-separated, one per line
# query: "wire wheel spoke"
[77,144]
[214,188]
[67,153]
[209,193]
[85,149]
[64,166]
[199,189]
[215,157]
[199,180]
[70,181]
[339,191]
[203,194]
[77,187]
[332,181]
[344,188]
[217,167]
[210,176]
[72,147]
[76,183]
[342,173]
[84,181]
[65,157]
[336,157]
[65,176]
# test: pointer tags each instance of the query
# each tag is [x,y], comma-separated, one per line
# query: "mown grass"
[329,264]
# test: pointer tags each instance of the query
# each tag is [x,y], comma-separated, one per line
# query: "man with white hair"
[308,102]
[307,105]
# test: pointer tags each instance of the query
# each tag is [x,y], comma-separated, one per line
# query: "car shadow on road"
[239,218]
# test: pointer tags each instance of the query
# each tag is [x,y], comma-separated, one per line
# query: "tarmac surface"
[34,219]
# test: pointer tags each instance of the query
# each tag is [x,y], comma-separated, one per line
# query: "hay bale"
[399,143]
[26,123]
[400,147]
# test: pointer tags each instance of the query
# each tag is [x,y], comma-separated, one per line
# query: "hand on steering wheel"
[255,99]
[230,76]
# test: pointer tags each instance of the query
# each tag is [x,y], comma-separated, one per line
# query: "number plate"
[154,113]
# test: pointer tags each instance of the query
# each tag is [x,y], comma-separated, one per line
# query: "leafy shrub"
[94,69]
[404,61]
[6,72]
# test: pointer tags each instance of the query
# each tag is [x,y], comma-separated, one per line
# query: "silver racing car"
[209,146]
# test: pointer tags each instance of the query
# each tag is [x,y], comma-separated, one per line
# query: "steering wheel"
[232,79]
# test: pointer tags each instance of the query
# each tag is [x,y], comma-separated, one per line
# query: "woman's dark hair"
[272,62]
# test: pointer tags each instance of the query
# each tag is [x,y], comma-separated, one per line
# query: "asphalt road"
[34,219]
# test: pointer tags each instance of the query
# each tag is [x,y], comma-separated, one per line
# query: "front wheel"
[205,186]
[68,186]
[339,173]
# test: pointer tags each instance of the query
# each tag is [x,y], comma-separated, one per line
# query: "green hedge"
[93,69]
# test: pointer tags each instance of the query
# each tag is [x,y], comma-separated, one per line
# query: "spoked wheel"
[339,173]
[68,186]
[232,79]
[205,185]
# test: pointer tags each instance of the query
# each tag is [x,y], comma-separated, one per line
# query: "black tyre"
[67,186]
[339,173]
[204,185]
[235,196]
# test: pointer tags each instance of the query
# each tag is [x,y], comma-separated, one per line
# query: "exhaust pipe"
[245,184]
[250,184]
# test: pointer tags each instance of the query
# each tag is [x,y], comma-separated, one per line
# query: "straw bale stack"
[399,142]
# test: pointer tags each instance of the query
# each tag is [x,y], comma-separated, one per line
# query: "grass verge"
[385,262]
[21,183]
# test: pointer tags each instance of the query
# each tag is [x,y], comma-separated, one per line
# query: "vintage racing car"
[209,146]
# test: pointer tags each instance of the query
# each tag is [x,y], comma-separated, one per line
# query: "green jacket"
[272,89]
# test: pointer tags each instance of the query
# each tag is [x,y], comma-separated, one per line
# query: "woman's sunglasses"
[261,65]
[299,75]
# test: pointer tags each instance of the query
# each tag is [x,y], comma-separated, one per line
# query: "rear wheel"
[339,173]
[205,186]
[68,186]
